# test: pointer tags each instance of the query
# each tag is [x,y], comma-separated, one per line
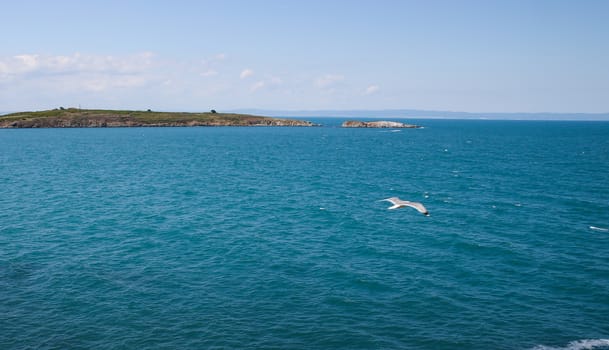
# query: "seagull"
[398,203]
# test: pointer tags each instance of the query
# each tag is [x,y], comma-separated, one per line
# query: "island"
[98,118]
[377,124]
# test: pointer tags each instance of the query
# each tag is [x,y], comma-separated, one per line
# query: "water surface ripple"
[274,237]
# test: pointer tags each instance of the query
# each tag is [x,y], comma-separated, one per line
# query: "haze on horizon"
[474,56]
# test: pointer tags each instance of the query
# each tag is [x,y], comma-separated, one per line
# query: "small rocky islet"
[378,124]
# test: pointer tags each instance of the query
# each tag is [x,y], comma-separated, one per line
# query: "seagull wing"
[418,206]
[397,203]
[393,200]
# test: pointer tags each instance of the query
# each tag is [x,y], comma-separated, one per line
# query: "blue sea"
[276,238]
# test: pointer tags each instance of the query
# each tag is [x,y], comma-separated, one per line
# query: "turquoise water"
[193,238]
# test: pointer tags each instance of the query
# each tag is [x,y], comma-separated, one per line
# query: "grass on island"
[142,116]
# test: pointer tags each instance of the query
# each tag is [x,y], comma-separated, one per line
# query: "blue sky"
[475,56]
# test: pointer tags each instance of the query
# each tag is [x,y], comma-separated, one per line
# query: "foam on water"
[584,344]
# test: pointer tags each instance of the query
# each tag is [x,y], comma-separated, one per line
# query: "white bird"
[398,203]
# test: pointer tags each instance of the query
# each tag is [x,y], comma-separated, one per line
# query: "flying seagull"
[398,203]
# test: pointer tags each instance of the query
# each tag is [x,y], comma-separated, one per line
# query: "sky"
[473,56]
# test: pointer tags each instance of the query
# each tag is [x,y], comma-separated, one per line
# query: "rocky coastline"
[378,124]
[77,118]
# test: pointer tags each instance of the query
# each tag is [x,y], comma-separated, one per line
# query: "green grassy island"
[95,118]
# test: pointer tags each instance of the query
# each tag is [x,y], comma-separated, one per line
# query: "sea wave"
[584,344]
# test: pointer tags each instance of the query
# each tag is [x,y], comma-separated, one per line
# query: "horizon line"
[388,113]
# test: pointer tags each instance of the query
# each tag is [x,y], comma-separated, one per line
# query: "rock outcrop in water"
[77,118]
[377,124]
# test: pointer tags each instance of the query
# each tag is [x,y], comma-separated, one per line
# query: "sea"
[278,238]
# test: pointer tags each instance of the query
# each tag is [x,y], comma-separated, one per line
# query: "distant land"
[424,114]
[410,114]
[99,118]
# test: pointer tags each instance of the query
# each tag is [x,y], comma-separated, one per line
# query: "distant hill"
[423,114]
[87,118]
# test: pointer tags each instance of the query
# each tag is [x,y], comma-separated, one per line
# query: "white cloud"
[258,85]
[271,82]
[371,89]
[19,64]
[214,59]
[102,83]
[27,62]
[246,73]
[48,64]
[209,73]
[58,75]
[113,80]
[145,79]
[328,80]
